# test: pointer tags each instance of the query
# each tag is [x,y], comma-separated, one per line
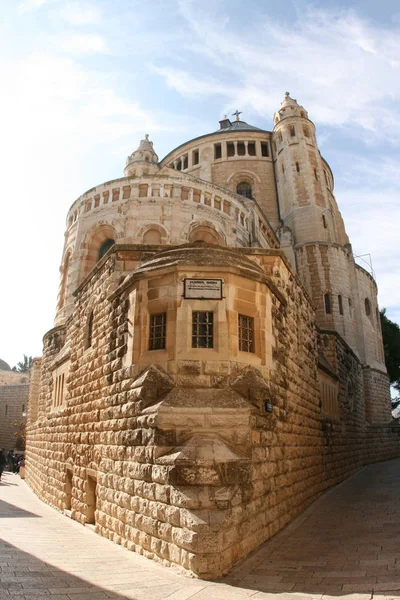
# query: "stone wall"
[173,453]
[13,407]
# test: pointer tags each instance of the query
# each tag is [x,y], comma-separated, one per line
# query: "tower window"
[324,222]
[306,132]
[251,147]
[297,167]
[264,149]
[195,157]
[230,149]
[202,329]
[292,131]
[241,149]
[244,189]
[157,333]
[185,162]
[6,411]
[340,300]
[217,151]
[327,301]
[246,333]
[316,174]
[367,307]
[106,245]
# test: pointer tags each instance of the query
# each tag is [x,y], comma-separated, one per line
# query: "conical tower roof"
[143,156]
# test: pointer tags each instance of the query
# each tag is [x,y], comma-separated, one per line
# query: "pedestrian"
[2,462]
[10,460]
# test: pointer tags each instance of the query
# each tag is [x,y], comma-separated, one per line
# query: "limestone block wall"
[326,270]
[13,408]
[370,320]
[172,452]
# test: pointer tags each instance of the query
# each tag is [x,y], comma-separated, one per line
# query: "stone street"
[345,545]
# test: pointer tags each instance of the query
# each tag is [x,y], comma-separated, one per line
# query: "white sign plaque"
[203,289]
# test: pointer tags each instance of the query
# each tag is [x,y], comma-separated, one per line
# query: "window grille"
[202,329]
[246,334]
[158,326]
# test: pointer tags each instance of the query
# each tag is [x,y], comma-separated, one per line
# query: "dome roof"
[142,158]
[289,108]
[4,366]
[237,126]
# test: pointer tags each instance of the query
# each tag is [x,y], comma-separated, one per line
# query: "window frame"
[157,342]
[247,328]
[209,327]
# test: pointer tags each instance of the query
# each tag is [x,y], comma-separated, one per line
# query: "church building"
[216,361]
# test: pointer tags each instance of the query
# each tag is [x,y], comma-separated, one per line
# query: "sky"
[83,81]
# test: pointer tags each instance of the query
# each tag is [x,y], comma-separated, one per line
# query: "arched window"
[106,245]
[367,307]
[244,189]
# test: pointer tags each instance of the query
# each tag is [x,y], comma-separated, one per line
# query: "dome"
[237,126]
[4,366]
[142,158]
[290,108]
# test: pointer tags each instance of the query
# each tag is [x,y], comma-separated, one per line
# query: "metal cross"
[236,114]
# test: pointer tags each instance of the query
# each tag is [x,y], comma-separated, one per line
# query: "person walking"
[2,462]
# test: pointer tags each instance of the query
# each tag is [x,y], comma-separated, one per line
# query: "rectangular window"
[327,301]
[241,148]
[217,151]
[264,149]
[195,157]
[251,146]
[185,162]
[158,326]
[202,329]
[230,149]
[340,304]
[246,333]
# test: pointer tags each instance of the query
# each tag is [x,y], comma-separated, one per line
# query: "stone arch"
[152,233]
[93,242]
[205,232]
[241,177]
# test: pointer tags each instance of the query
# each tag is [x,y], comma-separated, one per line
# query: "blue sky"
[82,82]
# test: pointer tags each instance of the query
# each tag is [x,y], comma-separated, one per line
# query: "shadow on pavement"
[23,576]
[10,511]
[346,542]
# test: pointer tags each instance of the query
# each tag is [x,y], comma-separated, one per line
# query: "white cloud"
[79,13]
[344,69]
[28,5]
[78,44]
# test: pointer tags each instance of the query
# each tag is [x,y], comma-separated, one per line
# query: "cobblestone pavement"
[347,544]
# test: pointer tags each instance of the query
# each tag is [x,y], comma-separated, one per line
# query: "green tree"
[24,366]
[391,344]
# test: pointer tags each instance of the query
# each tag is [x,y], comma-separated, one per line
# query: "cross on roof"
[236,114]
